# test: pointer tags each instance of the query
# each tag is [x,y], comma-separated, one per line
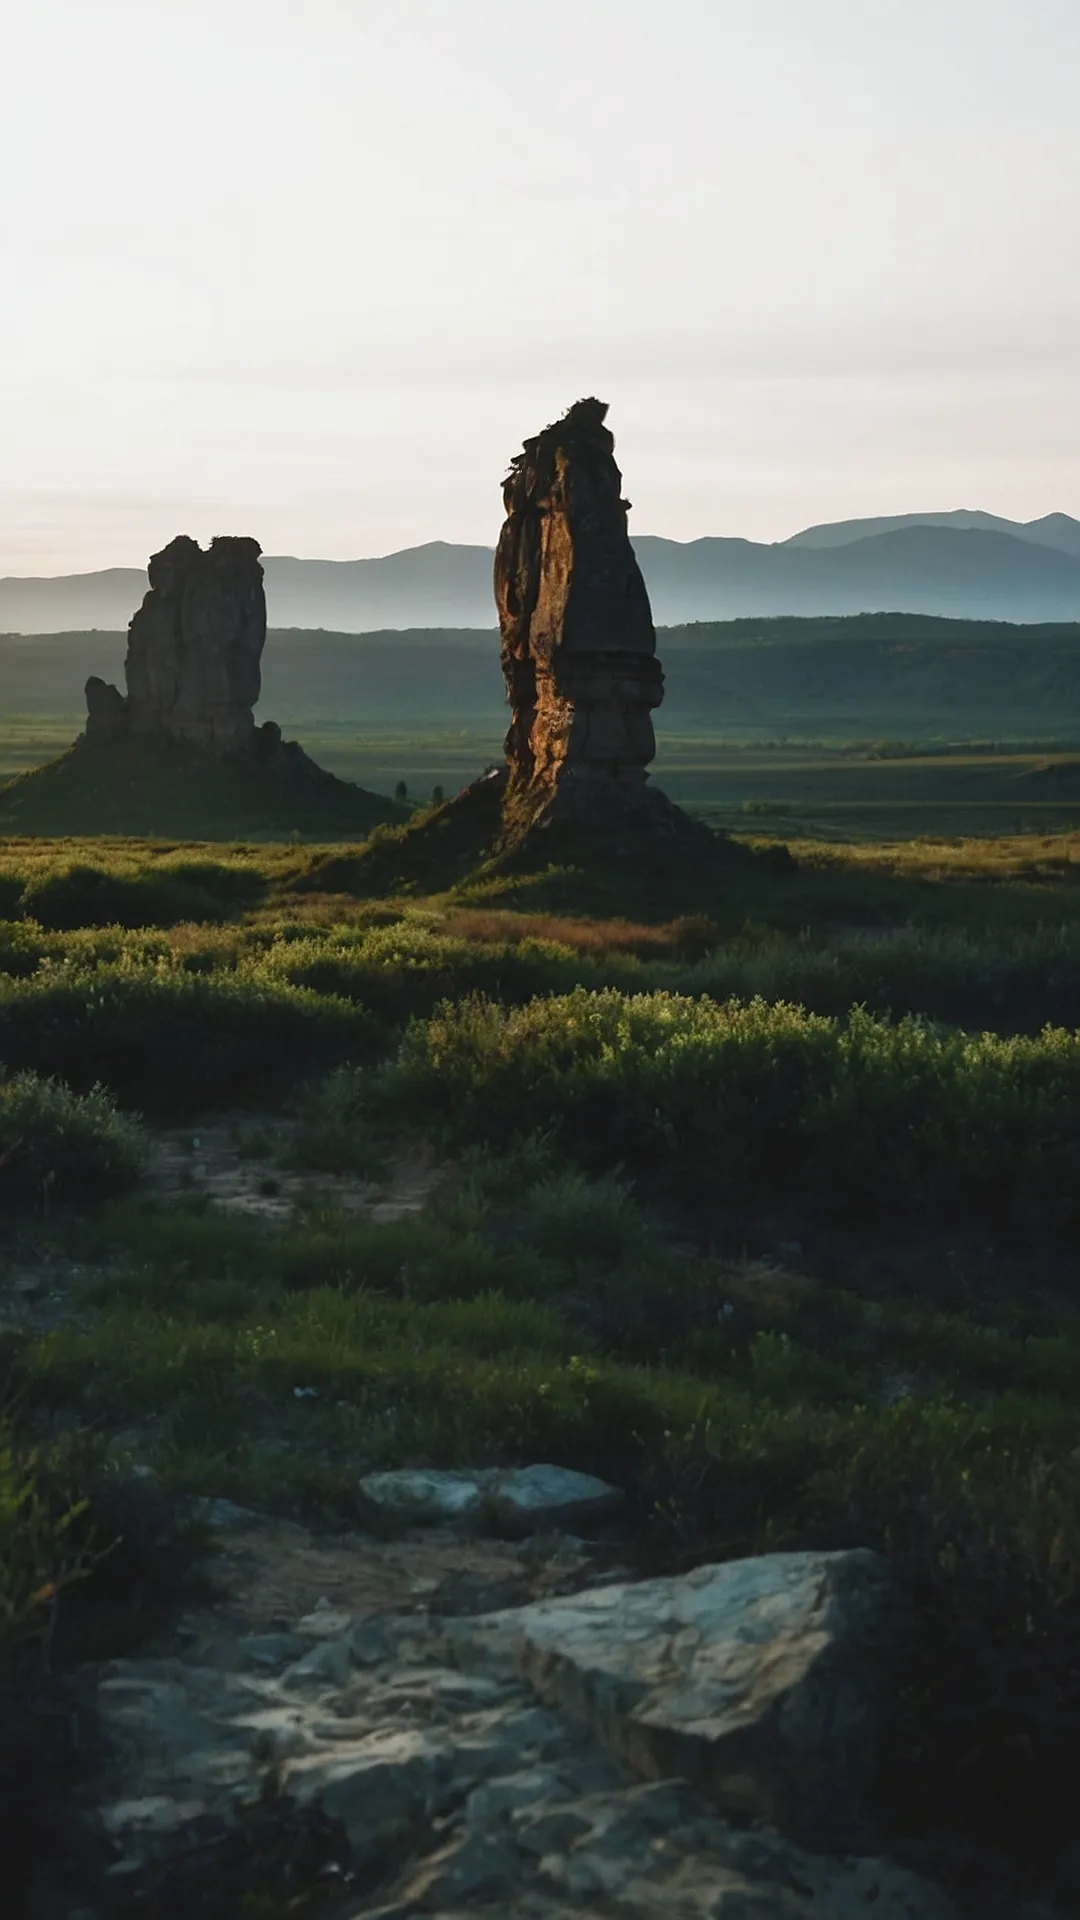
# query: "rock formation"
[578,642]
[194,646]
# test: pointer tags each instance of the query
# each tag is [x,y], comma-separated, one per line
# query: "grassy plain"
[859,789]
[818,1125]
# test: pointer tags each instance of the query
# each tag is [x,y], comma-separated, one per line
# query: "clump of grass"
[580,1224]
[334,1132]
[90,1561]
[61,1147]
[44,1546]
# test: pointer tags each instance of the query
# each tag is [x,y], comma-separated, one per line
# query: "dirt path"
[236,1163]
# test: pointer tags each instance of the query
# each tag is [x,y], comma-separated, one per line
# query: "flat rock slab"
[757,1679]
[512,1500]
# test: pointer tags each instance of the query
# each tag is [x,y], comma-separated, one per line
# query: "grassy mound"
[162,787]
[473,846]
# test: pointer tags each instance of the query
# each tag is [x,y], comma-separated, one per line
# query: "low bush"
[83,896]
[61,1147]
[167,1040]
[333,1132]
[745,1102]
[409,967]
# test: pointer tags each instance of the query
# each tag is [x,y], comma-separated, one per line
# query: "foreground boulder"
[755,1679]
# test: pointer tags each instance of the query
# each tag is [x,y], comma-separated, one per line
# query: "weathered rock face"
[755,1679]
[194,647]
[578,642]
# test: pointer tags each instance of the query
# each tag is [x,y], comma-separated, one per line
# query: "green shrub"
[743,1102]
[581,1222]
[1001,979]
[81,896]
[166,1040]
[407,968]
[333,1131]
[21,947]
[56,1145]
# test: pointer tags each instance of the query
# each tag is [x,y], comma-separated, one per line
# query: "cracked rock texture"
[449,1767]
[578,642]
[755,1679]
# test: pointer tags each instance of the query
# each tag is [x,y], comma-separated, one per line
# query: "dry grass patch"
[596,938]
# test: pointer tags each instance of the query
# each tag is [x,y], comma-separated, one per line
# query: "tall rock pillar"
[578,642]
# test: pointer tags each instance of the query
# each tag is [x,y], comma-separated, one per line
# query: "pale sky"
[312,269]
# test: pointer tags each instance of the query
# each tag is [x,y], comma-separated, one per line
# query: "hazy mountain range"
[964,564]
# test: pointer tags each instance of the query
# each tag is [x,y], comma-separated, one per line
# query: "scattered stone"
[324,1622]
[224,1516]
[328,1663]
[370,1644]
[514,1500]
[527,1500]
[269,1652]
[466,1594]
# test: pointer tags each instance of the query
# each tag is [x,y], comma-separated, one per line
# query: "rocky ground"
[458,1725]
[465,1704]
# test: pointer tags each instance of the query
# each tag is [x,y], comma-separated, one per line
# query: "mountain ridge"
[1020,572]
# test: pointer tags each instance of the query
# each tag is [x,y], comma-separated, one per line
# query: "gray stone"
[325,1622]
[530,1499]
[268,1652]
[370,1644]
[380,1786]
[224,1516]
[516,1500]
[756,1679]
[477,1868]
[417,1496]
[649,1852]
[327,1664]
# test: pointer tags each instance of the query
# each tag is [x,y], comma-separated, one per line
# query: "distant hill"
[874,676]
[1058,530]
[966,565]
